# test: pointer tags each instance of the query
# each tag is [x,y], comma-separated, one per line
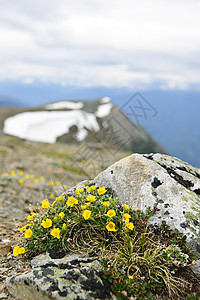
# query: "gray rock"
[71,277]
[196,268]
[143,180]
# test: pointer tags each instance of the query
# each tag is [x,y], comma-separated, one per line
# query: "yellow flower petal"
[126,216]
[101,190]
[105,203]
[111,213]
[110,226]
[45,204]
[130,225]
[56,233]
[61,215]
[126,207]
[91,198]
[46,223]
[21,250]
[16,251]
[28,233]
[86,214]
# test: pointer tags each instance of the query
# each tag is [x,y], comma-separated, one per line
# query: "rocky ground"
[30,172]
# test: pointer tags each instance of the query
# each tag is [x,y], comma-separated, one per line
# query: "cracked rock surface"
[143,180]
[73,277]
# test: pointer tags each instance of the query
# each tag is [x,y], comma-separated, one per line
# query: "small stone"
[3,296]
[4,249]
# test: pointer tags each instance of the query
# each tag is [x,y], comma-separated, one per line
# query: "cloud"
[109,43]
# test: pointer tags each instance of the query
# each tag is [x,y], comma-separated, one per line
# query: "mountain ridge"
[95,121]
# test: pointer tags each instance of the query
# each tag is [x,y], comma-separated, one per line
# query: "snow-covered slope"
[64,105]
[96,122]
[47,126]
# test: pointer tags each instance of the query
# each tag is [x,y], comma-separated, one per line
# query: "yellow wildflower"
[57,182]
[87,203]
[91,198]
[17,250]
[41,177]
[28,233]
[5,174]
[55,219]
[64,226]
[126,207]
[79,191]
[21,181]
[21,250]
[71,201]
[101,190]
[61,198]
[126,216]
[93,187]
[52,195]
[56,233]
[110,226]
[105,203]
[126,221]
[31,216]
[83,207]
[45,203]
[111,213]
[130,225]
[50,182]
[86,214]
[21,173]
[13,173]
[25,226]
[89,190]
[46,223]
[130,277]
[36,180]
[61,215]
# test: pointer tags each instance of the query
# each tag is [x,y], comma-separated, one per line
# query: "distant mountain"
[176,125]
[10,102]
[97,123]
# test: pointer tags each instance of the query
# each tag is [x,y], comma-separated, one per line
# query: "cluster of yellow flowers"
[57,224]
[17,250]
[22,178]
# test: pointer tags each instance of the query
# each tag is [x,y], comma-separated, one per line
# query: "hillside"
[98,123]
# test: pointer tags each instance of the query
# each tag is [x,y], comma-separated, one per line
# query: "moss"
[185,198]
[192,216]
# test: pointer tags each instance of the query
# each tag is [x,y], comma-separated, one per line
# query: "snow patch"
[105,100]
[103,110]
[65,104]
[46,126]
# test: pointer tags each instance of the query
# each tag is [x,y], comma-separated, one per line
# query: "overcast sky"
[107,43]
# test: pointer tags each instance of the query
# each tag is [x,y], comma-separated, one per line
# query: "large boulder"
[144,180]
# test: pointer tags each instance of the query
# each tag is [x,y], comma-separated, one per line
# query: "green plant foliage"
[92,221]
